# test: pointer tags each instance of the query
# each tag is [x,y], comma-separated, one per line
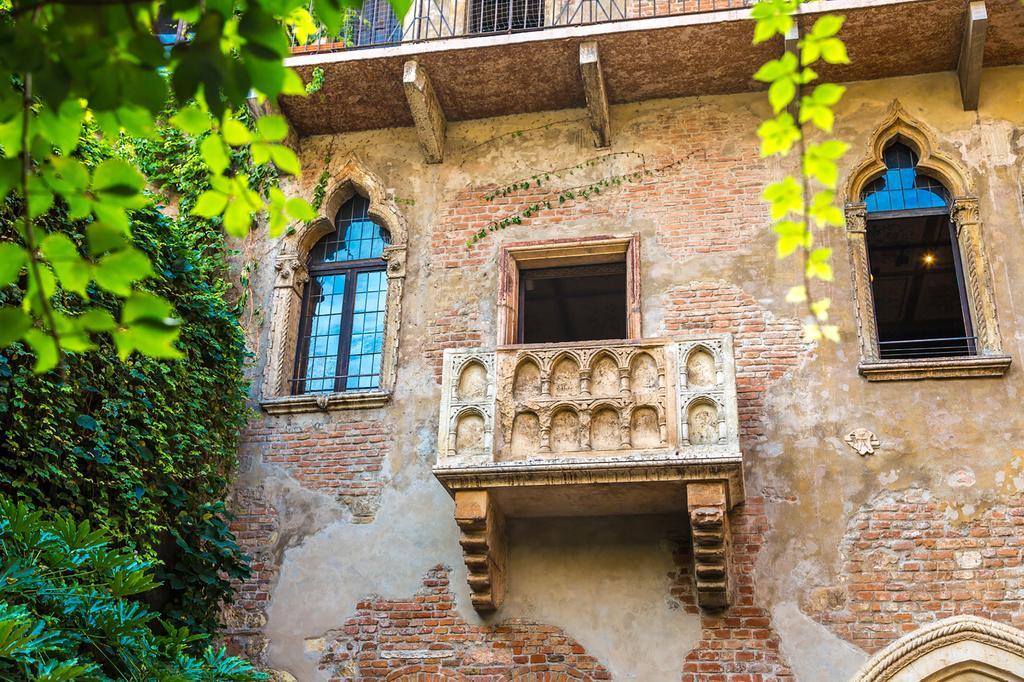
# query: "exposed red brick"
[900,567]
[520,650]
[765,347]
[739,643]
[343,456]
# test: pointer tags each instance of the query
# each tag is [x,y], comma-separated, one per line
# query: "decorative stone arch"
[550,673]
[933,162]
[290,283]
[720,417]
[961,648]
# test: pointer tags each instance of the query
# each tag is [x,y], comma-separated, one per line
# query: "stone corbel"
[597,96]
[708,511]
[287,307]
[426,111]
[482,536]
[972,53]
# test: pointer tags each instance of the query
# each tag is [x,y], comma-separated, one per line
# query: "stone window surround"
[290,282]
[990,359]
[551,253]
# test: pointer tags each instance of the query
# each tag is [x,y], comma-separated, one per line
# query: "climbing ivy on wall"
[143,447]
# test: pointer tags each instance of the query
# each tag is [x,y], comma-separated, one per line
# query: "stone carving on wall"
[863,441]
[706,392]
[290,282]
[964,211]
[466,426]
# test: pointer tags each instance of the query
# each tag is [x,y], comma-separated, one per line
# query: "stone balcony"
[589,429]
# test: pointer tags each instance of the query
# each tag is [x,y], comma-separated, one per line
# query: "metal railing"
[953,346]
[376,25]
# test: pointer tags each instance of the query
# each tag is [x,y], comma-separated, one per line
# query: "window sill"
[935,368]
[325,402]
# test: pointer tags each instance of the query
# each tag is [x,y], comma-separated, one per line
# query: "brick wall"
[739,643]
[368,645]
[766,347]
[255,523]
[905,562]
[342,455]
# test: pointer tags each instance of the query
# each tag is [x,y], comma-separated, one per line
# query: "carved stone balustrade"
[593,428]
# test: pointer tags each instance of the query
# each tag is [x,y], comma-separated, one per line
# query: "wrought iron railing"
[953,346]
[376,25]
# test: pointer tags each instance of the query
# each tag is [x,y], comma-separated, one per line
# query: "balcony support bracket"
[427,113]
[597,97]
[972,51]
[708,510]
[482,536]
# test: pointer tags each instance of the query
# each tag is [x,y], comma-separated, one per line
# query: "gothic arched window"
[341,337]
[917,280]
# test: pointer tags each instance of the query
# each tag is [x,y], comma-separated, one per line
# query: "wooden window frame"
[558,253]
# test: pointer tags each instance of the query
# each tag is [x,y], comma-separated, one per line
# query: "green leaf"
[792,236]
[63,127]
[781,93]
[833,51]
[96,320]
[797,294]
[272,128]
[116,272]
[192,120]
[72,271]
[210,203]
[12,258]
[785,196]
[285,159]
[235,133]
[300,209]
[45,349]
[117,183]
[778,135]
[215,154]
[820,308]
[818,265]
[827,26]
[13,325]
[147,326]
[237,219]
[777,69]
[102,237]
[828,94]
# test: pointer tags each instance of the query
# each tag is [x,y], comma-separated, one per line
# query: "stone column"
[856,237]
[284,325]
[976,271]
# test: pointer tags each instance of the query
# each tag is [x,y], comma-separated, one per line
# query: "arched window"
[341,336]
[917,280]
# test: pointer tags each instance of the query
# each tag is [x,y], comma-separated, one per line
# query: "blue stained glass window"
[343,321]
[902,187]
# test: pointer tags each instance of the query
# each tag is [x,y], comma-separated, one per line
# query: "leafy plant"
[142,447]
[68,612]
[797,208]
[67,67]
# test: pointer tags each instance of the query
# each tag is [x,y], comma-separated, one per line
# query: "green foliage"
[794,209]
[140,444]
[69,610]
[68,66]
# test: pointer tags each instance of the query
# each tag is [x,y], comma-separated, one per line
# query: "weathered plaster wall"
[349,530]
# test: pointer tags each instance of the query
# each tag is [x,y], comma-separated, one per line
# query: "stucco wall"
[830,544]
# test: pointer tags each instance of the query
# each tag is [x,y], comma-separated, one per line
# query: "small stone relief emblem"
[863,441]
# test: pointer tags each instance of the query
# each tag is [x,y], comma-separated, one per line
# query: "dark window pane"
[920,306]
[585,303]
[902,187]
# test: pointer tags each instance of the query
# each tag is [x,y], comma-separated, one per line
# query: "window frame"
[292,275]
[558,253]
[351,270]
[968,247]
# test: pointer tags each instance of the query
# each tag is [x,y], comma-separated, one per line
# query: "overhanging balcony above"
[596,428]
[519,60]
